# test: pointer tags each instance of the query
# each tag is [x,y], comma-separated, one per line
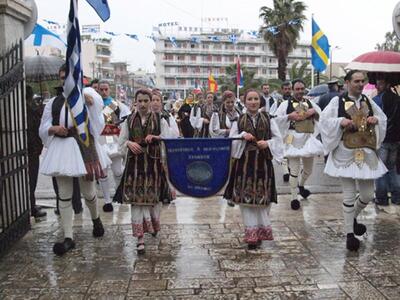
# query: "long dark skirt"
[252,180]
[142,180]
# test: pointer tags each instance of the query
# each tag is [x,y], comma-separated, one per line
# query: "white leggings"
[294,168]
[117,169]
[65,190]
[351,207]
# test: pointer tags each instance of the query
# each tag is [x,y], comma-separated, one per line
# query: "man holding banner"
[252,181]
[140,137]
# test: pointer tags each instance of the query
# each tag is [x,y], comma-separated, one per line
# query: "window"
[264,59]
[217,46]
[170,81]
[181,57]
[181,81]
[205,46]
[218,58]
[251,48]
[243,59]
[264,71]
[252,59]
[209,57]
[193,58]
[169,57]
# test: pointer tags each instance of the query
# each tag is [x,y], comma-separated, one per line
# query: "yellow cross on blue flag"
[319,48]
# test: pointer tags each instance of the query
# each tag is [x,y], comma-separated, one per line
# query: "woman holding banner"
[252,182]
[221,122]
[140,141]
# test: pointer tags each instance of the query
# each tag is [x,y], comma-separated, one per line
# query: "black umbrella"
[318,90]
[41,68]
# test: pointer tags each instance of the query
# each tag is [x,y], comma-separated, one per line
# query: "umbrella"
[41,68]
[376,61]
[318,90]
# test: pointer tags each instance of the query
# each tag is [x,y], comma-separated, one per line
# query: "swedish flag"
[319,48]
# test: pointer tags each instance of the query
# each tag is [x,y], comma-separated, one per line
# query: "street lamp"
[331,60]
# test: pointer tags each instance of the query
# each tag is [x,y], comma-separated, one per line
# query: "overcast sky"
[353,25]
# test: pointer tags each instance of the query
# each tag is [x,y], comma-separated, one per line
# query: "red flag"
[239,74]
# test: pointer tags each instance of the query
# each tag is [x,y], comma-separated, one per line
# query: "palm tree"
[286,20]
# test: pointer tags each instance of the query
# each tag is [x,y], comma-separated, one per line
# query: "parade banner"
[198,167]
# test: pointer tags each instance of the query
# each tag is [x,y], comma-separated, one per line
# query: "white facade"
[181,68]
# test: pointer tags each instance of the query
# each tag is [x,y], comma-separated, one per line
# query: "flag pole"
[312,76]
[237,85]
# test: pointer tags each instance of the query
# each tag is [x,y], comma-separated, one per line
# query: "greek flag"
[173,41]
[254,33]
[111,33]
[195,40]
[233,38]
[319,48]
[73,76]
[214,38]
[132,36]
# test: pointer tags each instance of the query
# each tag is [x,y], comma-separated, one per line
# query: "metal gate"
[14,189]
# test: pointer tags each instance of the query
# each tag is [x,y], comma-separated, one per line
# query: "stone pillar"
[14,14]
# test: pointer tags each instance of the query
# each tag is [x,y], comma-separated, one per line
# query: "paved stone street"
[199,254]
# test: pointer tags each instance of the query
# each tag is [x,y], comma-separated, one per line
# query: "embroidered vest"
[361,134]
[305,126]
[261,130]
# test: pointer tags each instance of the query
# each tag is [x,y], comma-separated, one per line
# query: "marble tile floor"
[200,254]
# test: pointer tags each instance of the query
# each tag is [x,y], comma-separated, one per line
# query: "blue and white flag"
[233,38]
[273,29]
[195,40]
[111,33]
[43,37]
[132,36]
[151,37]
[294,22]
[173,41]
[214,38]
[73,83]
[51,22]
[254,33]
[101,7]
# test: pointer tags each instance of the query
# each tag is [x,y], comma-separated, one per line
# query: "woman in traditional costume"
[140,137]
[252,181]
[221,122]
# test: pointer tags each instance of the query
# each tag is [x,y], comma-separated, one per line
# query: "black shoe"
[381,202]
[286,177]
[295,204]
[62,248]
[154,234]
[359,229]
[108,207]
[57,211]
[251,246]
[140,249]
[98,229]
[38,213]
[231,203]
[304,192]
[352,243]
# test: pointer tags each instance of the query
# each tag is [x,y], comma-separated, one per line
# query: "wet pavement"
[200,254]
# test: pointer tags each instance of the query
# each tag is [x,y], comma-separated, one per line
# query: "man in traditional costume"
[352,129]
[114,112]
[67,157]
[140,137]
[200,116]
[286,91]
[297,119]
[252,183]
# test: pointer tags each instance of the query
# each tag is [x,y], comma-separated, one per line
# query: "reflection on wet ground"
[199,254]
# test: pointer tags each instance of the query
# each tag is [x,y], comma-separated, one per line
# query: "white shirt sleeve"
[46,123]
[196,121]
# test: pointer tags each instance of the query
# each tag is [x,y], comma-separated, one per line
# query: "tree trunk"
[282,64]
